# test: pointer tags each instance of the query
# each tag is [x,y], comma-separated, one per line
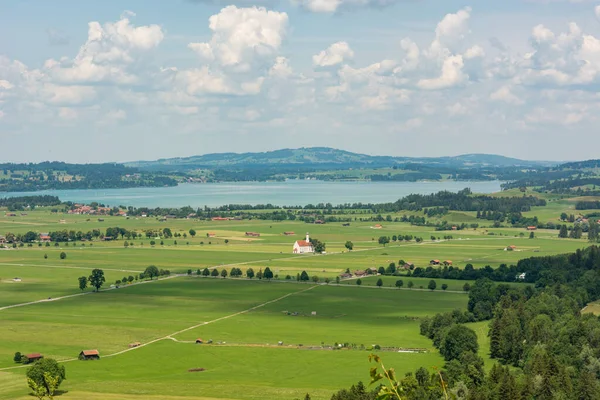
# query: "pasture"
[247,317]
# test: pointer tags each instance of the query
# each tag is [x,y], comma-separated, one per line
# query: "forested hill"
[324,157]
[580,165]
[60,175]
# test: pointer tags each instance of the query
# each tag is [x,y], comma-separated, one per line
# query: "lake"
[278,193]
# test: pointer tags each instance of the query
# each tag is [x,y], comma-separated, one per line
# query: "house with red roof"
[303,246]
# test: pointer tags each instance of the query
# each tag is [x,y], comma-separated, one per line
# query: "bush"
[63,255]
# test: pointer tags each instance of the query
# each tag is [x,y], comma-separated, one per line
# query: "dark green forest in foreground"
[545,348]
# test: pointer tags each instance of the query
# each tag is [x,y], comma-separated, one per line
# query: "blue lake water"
[278,193]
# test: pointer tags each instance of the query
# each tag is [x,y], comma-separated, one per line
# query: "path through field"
[169,336]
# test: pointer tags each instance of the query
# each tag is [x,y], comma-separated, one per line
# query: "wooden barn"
[33,357]
[89,355]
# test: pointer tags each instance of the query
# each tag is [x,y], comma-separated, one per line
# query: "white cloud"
[332,6]
[281,68]
[504,94]
[6,85]
[452,29]
[66,95]
[243,38]
[335,54]
[452,75]
[569,58]
[474,52]
[597,10]
[107,53]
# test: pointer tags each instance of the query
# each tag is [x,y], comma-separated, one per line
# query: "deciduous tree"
[97,279]
[47,373]
[151,271]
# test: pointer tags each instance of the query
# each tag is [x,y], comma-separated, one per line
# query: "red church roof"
[304,243]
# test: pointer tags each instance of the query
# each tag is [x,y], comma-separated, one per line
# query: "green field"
[244,318]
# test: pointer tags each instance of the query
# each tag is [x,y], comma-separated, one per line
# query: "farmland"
[246,319]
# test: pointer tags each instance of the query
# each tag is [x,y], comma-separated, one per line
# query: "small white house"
[303,246]
[521,276]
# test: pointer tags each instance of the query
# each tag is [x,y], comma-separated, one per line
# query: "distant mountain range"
[325,157]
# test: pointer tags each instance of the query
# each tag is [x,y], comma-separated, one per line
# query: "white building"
[303,246]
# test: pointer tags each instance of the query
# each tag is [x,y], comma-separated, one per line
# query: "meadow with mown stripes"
[270,339]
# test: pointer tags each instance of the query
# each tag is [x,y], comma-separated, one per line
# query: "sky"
[125,80]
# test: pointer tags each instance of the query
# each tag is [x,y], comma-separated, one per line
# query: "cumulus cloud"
[452,29]
[452,75]
[108,52]
[335,54]
[569,58]
[243,38]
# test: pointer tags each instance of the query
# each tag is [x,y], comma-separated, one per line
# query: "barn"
[89,355]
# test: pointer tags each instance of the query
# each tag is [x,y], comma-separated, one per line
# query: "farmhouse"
[434,262]
[211,234]
[134,344]
[33,357]
[360,273]
[521,276]
[2,240]
[253,234]
[89,355]
[199,341]
[408,265]
[448,263]
[319,222]
[346,276]
[511,248]
[303,246]
[289,233]
[377,226]
[532,228]
[44,237]
[220,219]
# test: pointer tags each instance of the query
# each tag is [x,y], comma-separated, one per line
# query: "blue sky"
[144,79]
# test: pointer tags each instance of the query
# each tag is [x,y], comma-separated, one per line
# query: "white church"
[303,246]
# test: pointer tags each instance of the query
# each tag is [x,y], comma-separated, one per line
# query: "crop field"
[44,310]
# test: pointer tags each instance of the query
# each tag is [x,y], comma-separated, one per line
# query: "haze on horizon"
[141,80]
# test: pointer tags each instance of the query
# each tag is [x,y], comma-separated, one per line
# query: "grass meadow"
[247,317]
